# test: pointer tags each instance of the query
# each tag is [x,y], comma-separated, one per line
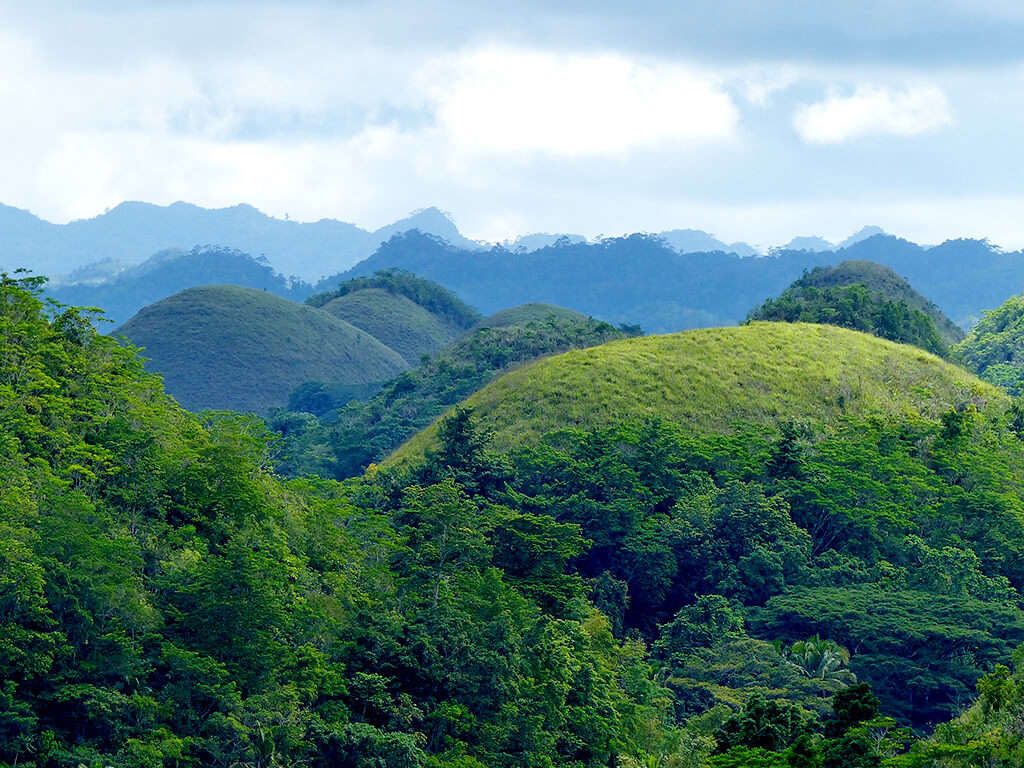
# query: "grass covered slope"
[245,350]
[530,313]
[345,441]
[395,321]
[710,379]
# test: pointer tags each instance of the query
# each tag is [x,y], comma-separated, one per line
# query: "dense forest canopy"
[994,349]
[635,594]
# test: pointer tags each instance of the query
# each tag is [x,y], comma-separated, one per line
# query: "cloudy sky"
[753,120]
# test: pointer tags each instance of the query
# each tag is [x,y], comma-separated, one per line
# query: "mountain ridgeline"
[655,281]
[866,297]
[132,231]
[641,279]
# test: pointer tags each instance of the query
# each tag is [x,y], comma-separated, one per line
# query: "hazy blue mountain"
[538,240]
[171,271]
[698,241]
[642,280]
[808,243]
[133,231]
[861,234]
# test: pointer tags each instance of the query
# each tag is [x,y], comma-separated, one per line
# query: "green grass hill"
[246,350]
[347,439]
[530,313]
[710,379]
[864,296]
[394,320]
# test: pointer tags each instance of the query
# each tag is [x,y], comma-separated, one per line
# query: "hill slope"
[394,320]
[709,379]
[877,277]
[863,296]
[346,441]
[994,349]
[243,349]
[411,315]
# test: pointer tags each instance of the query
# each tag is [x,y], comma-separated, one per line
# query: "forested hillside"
[865,297]
[788,583]
[994,349]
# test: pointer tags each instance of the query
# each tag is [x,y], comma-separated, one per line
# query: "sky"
[755,121]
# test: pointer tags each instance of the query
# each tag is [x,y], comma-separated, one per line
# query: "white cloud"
[574,104]
[873,111]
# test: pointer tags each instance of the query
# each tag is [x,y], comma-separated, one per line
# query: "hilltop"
[709,379]
[878,277]
[124,293]
[866,297]
[244,349]
[525,314]
[411,315]
[393,320]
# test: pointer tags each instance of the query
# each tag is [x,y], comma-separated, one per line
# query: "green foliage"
[994,349]
[164,601]
[854,306]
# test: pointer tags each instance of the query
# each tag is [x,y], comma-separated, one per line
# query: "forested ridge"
[633,594]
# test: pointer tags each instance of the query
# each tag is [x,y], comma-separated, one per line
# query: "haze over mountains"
[677,279]
[91,250]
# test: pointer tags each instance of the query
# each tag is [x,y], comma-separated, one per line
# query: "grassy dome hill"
[395,321]
[530,313]
[713,378]
[243,349]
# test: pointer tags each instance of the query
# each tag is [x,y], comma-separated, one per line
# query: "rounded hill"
[395,321]
[525,314]
[246,350]
[713,378]
[864,296]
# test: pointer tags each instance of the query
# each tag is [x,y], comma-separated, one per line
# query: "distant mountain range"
[97,249]
[128,234]
[677,279]
[640,279]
